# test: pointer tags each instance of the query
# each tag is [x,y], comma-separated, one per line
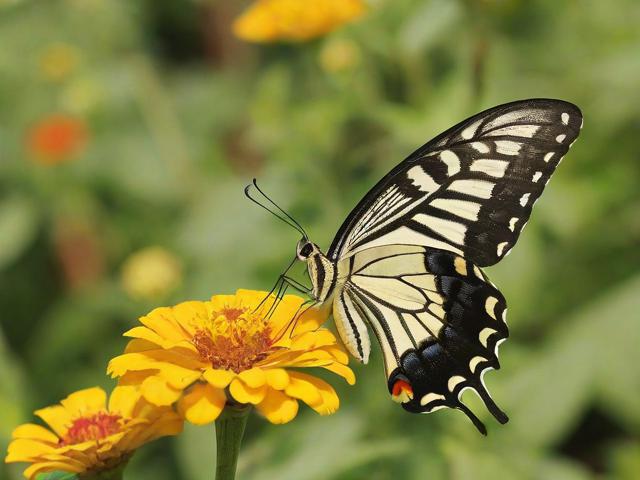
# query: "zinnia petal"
[202,404]
[219,378]
[326,401]
[25,450]
[87,401]
[254,378]
[57,417]
[278,407]
[277,378]
[32,431]
[123,399]
[245,394]
[157,391]
[37,468]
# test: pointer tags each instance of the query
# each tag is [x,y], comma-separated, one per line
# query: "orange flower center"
[236,339]
[94,427]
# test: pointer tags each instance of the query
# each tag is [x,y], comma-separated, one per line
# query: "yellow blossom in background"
[202,355]
[294,20]
[339,55]
[88,435]
[151,273]
[59,60]
[81,95]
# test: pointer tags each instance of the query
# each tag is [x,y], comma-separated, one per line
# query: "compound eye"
[306,250]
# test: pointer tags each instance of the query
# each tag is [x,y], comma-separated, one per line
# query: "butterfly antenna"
[275,214]
[293,220]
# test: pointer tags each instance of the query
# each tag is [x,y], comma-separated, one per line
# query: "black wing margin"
[471,189]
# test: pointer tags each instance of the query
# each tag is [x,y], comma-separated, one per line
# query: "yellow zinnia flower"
[88,436]
[294,20]
[205,354]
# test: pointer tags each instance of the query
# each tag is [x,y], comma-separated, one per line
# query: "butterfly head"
[305,249]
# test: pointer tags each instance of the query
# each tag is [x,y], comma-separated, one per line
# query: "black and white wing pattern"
[471,189]
[408,255]
[438,320]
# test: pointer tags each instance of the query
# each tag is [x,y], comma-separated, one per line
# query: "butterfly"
[407,262]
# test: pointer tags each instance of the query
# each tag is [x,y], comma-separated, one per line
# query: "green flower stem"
[229,432]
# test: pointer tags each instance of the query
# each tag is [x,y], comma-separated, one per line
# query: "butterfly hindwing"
[437,318]
[471,189]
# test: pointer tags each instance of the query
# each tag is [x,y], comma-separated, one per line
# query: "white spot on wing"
[480,147]
[560,138]
[476,188]
[512,223]
[422,179]
[501,247]
[565,118]
[524,199]
[485,333]
[460,208]
[515,130]
[430,397]
[451,160]
[454,382]
[473,364]
[548,156]
[508,147]
[490,305]
[495,168]
[536,176]
[510,117]
[470,131]
[450,230]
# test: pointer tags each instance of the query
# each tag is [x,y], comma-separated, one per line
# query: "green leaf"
[57,476]
[18,224]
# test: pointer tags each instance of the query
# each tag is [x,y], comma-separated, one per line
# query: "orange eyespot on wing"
[401,391]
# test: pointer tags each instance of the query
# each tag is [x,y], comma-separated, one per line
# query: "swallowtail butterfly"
[406,263]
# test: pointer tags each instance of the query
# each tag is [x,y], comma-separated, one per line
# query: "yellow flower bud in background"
[58,61]
[339,55]
[151,273]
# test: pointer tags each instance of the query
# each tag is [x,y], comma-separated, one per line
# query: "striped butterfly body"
[406,263]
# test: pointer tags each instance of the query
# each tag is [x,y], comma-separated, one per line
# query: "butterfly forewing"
[470,190]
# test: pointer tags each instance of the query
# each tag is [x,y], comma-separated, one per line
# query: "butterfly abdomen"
[322,273]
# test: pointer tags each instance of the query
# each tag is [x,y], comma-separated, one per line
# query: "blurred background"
[128,130]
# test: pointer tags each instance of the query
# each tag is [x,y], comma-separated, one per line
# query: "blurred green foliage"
[180,115]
